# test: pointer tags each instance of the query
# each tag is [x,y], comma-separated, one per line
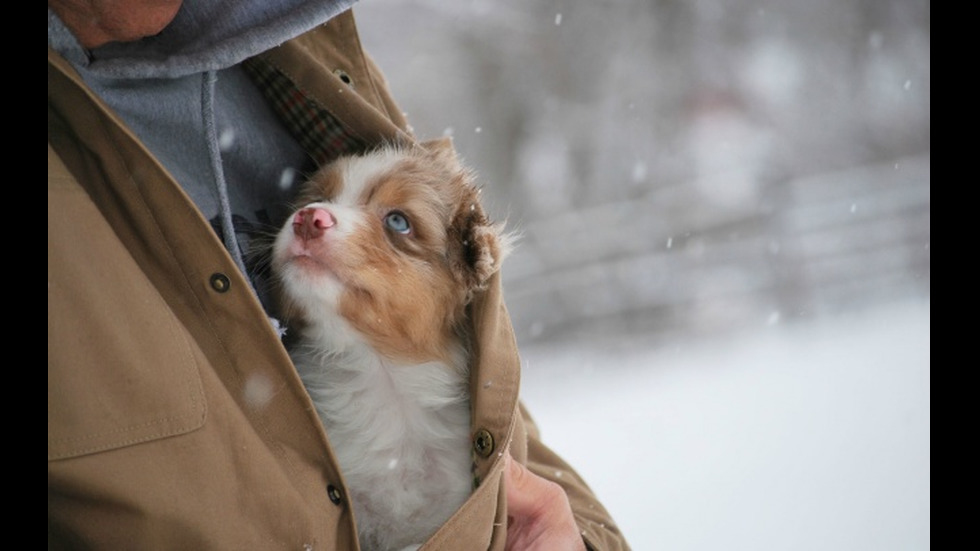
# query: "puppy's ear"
[477,246]
[443,150]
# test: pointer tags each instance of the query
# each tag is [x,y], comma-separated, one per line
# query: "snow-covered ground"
[797,437]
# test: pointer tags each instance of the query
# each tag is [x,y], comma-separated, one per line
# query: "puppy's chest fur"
[375,272]
[401,435]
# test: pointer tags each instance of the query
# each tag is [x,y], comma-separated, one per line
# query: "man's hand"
[539,516]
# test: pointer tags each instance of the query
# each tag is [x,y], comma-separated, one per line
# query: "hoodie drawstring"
[229,235]
[220,185]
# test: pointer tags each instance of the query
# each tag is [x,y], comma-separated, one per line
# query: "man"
[175,418]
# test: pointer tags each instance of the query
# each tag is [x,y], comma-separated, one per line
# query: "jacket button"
[344,77]
[334,494]
[483,443]
[220,282]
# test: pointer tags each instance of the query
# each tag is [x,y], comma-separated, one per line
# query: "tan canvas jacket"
[175,417]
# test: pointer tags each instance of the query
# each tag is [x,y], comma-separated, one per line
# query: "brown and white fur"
[375,272]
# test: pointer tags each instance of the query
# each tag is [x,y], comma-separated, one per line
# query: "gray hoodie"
[184,94]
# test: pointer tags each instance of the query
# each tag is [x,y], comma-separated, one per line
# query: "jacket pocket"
[121,368]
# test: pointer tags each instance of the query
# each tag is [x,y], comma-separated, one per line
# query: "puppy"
[375,272]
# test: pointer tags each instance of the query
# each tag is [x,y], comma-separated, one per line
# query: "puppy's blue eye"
[398,222]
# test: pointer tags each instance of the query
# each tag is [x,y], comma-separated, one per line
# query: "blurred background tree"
[693,166]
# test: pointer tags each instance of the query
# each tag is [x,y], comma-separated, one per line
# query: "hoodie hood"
[204,36]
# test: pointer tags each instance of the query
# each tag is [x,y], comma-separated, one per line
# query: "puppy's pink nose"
[312,222]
